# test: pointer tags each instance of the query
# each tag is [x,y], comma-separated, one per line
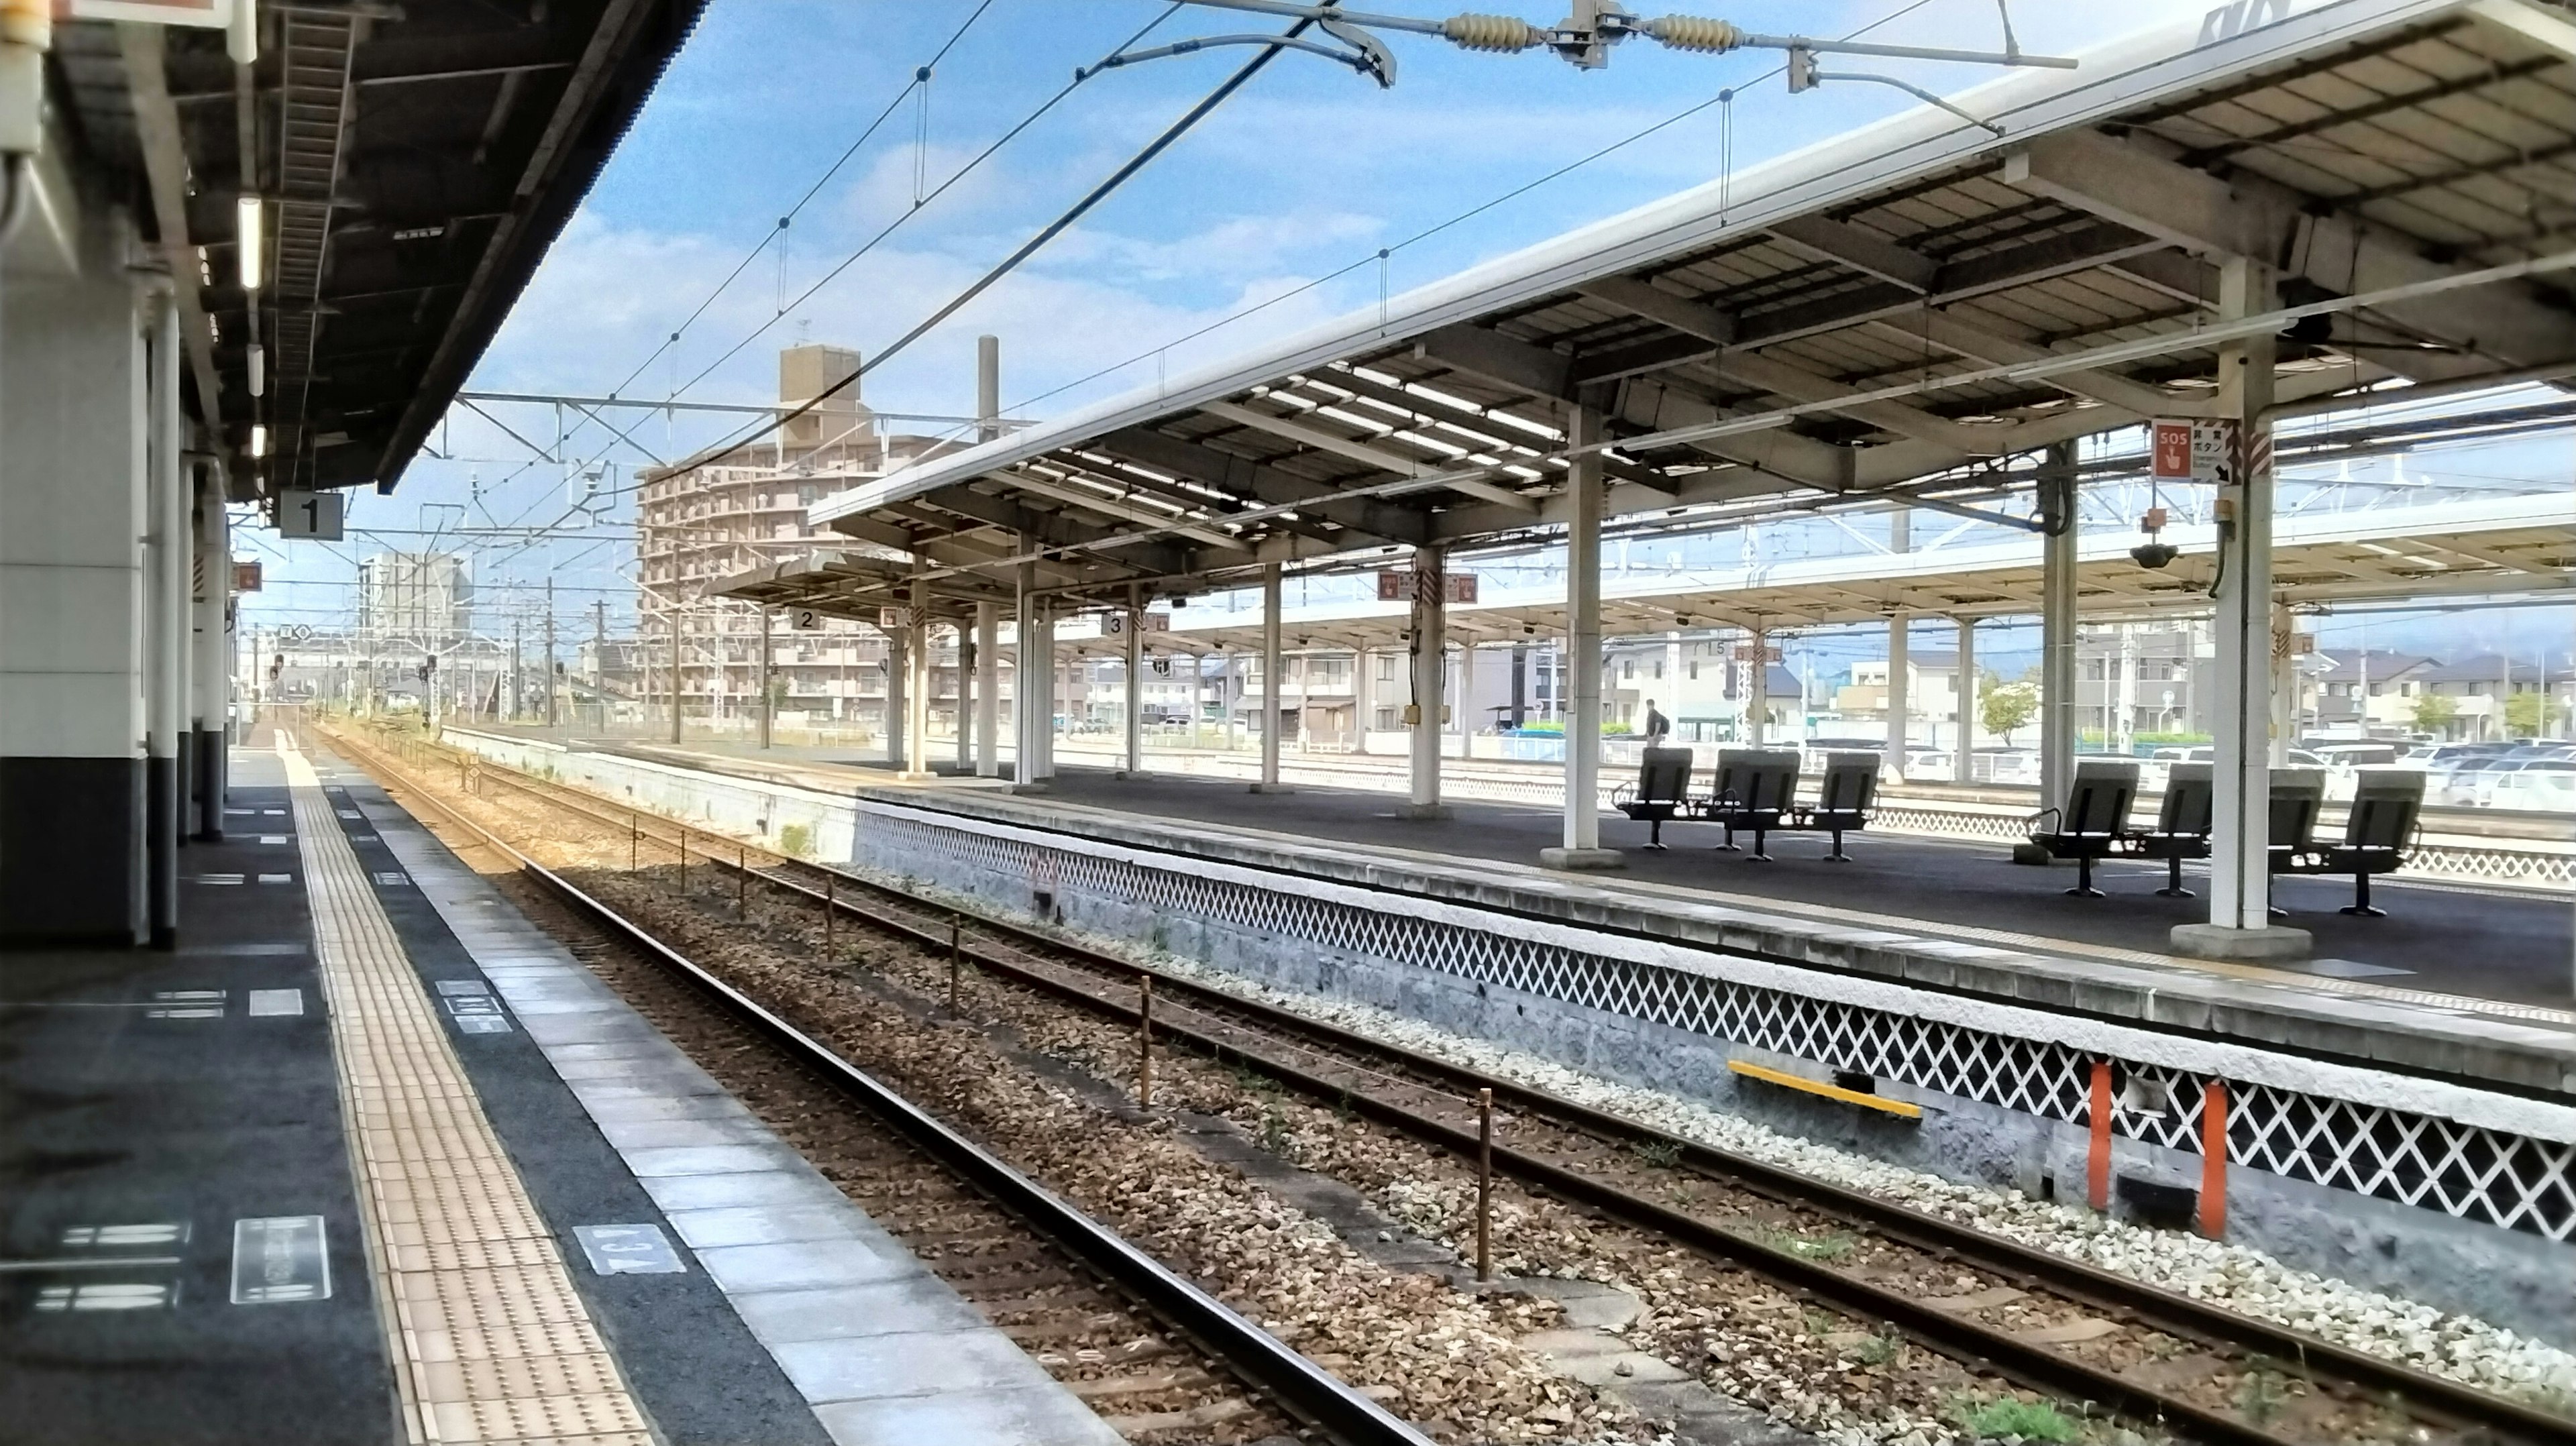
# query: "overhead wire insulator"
[1695,32]
[1492,32]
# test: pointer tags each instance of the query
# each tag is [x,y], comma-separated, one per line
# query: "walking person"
[1657,725]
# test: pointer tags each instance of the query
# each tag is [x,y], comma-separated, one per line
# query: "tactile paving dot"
[492,1342]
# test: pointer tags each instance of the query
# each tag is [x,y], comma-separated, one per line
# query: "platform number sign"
[804,620]
[314,515]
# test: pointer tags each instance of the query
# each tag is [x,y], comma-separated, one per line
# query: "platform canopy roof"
[414,162]
[2513,544]
[1892,315]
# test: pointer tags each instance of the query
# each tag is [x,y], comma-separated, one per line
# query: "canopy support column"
[1900,663]
[1757,702]
[167,557]
[1462,712]
[1135,682]
[2240,867]
[1430,664]
[1029,681]
[768,695]
[988,690]
[2057,627]
[1363,698]
[1582,848]
[213,648]
[1274,680]
[1964,690]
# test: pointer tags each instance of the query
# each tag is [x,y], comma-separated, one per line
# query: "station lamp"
[246,241]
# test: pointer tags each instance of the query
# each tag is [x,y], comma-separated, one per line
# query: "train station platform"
[2460,981]
[370,1157]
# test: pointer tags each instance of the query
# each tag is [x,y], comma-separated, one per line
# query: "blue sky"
[1308,170]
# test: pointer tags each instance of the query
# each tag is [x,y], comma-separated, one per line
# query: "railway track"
[2052,1323]
[1159,1357]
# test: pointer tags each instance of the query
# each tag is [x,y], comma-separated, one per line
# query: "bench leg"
[2361,899]
[1838,856]
[1730,846]
[2173,888]
[1654,833]
[2084,879]
[1761,853]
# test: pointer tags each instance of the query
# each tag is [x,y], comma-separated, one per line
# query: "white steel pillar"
[897,664]
[1900,694]
[768,701]
[2240,878]
[1273,680]
[1582,847]
[212,597]
[1964,691]
[1028,672]
[1048,679]
[1757,697]
[1363,697]
[916,682]
[1429,659]
[168,552]
[1462,710]
[1900,663]
[2285,686]
[988,690]
[1135,681]
[964,715]
[2057,626]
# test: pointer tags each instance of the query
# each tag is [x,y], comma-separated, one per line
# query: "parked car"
[2467,783]
[2360,755]
[2547,784]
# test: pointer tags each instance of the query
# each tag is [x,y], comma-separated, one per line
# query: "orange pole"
[2213,1160]
[2097,1163]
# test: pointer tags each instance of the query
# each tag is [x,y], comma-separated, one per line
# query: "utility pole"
[550,652]
[675,667]
[518,677]
[599,658]
[768,698]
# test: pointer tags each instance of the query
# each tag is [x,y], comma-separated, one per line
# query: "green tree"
[2528,715]
[2434,710]
[2007,706]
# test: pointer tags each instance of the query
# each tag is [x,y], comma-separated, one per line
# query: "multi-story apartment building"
[722,512]
[422,602]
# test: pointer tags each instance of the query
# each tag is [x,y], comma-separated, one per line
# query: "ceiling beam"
[1118,509]
[1487,354]
[2134,183]
[1307,434]
[1827,239]
[1800,385]
[1619,468]
[1644,298]
[2062,254]
[1950,333]
[1361,518]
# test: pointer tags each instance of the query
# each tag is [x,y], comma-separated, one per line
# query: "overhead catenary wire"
[1724,97]
[754,433]
[1091,199]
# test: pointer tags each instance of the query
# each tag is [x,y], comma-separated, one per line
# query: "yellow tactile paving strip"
[490,1343]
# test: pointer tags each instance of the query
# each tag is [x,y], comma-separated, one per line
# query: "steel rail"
[2423,1394]
[1296,1383]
